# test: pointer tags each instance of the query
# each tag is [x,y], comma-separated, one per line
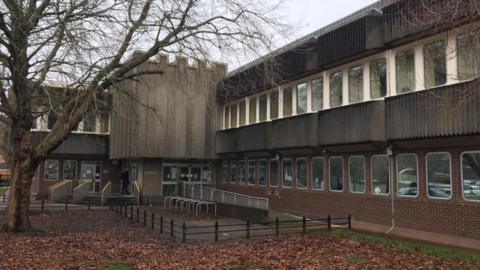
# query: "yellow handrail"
[84,183]
[57,184]
[109,183]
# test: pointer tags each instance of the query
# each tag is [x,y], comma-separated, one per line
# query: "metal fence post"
[304,224]
[349,221]
[161,224]
[172,224]
[277,227]
[248,229]
[184,234]
[89,202]
[43,205]
[153,218]
[216,231]
[144,218]
[329,223]
[138,215]
[66,204]
[4,197]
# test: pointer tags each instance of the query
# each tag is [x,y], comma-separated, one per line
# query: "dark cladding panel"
[226,141]
[358,123]
[352,39]
[78,144]
[446,111]
[254,138]
[295,132]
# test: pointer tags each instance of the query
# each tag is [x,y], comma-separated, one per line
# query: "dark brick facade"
[454,216]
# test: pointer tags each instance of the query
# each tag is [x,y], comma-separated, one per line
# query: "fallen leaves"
[97,239]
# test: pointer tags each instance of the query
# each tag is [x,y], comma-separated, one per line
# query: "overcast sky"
[310,15]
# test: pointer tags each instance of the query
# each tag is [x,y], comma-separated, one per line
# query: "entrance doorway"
[91,170]
[175,173]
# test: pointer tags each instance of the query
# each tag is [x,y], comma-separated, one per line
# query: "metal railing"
[79,191]
[106,191]
[204,193]
[136,192]
[60,190]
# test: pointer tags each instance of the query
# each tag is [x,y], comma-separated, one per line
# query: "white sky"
[310,15]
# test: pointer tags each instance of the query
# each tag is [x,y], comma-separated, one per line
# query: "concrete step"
[121,201]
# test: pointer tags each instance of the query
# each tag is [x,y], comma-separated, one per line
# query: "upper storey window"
[233,115]
[263,108]
[336,89]
[355,84]
[252,110]
[89,122]
[405,70]
[378,78]
[242,111]
[104,122]
[51,119]
[468,50]
[435,60]
[287,101]
[302,98]
[317,95]
[274,105]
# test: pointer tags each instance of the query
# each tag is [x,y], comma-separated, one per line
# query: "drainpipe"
[392,189]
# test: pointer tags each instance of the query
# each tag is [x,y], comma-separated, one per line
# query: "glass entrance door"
[91,170]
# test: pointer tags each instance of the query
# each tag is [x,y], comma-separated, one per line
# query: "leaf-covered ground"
[101,240]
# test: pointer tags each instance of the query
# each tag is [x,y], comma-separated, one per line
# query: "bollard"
[43,205]
[216,231]
[172,224]
[329,223]
[277,227]
[248,229]
[153,218]
[161,224]
[304,225]
[138,215]
[184,234]
[144,218]
[349,221]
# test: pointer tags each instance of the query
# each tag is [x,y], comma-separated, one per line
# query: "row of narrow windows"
[313,174]
[92,122]
[295,100]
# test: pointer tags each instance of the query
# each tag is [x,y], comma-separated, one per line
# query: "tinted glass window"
[51,169]
[274,105]
[317,173]
[439,181]
[407,175]
[225,171]
[317,95]
[287,173]
[471,176]
[263,108]
[355,84]
[233,114]
[301,172]
[405,69]
[69,169]
[336,174]
[380,175]
[241,172]
[242,112]
[287,102]
[252,172]
[302,98]
[356,166]
[336,89]
[262,172]
[435,61]
[252,110]
[378,78]
[468,50]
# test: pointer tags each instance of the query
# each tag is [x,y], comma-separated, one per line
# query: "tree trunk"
[22,171]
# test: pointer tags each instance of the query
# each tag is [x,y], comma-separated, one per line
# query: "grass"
[404,246]
[118,267]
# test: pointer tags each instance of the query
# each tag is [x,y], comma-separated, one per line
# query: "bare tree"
[87,47]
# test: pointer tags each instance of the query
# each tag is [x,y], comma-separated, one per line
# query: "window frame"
[297,95]
[58,170]
[323,171]
[451,177]
[321,79]
[364,175]
[329,174]
[255,176]
[74,172]
[396,176]
[330,75]
[227,180]
[306,173]
[412,50]
[270,175]
[457,38]
[424,48]
[384,58]
[389,176]
[242,161]
[258,172]
[283,173]
[461,174]
[362,96]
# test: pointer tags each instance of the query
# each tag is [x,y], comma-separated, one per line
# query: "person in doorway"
[125,182]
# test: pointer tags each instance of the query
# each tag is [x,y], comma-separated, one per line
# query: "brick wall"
[455,216]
